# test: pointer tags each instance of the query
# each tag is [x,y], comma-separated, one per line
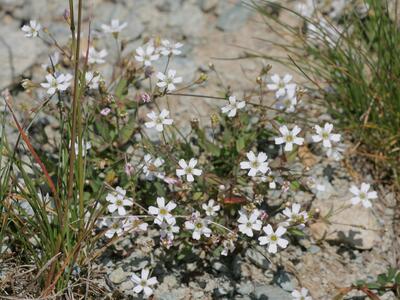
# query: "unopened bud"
[211,66]
[67,16]
[259,79]
[27,84]
[202,78]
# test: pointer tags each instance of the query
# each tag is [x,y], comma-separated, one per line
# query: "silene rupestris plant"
[113,174]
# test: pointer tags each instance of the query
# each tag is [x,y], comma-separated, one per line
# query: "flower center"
[281,85]
[199,225]
[163,211]
[115,226]
[325,135]
[143,282]
[255,164]
[363,195]
[289,138]
[274,238]
[118,202]
[249,224]
[189,170]
[159,120]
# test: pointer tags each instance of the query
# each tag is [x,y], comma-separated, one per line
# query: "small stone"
[266,292]
[169,5]
[245,288]
[283,279]
[314,249]
[208,5]
[126,286]
[220,267]
[234,18]
[118,275]
[257,258]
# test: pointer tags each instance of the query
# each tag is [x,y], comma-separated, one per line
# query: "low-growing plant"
[111,174]
[350,57]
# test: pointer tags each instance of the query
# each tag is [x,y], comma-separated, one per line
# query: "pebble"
[257,258]
[266,292]
[234,18]
[118,275]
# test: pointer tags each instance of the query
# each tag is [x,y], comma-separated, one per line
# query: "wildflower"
[118,201]
[325,135]
[289,137]
[283,87]
[32,30]
[305,9]
[92,80]
[129,169]
[85,147]
[188,169]
[168,48]
[96,57]
[133,222]
[114,28]
[273,238]
[105,111]
[146,56]
[57,83]
[168,81]
[249,223]
[158,121]
[168,229]
[287,103]
[301,295]
[233,106]
[143,283]
[363,195]
[114,227]
[198,225]
[228,246]
[294,215]
[162,211]
[54,60]
[255,164]
[145,97]
[211,209]
[151,166]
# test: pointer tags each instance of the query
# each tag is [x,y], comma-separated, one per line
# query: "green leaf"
[296,232]
[240,143]
[122,89]
[127,132]
[374,286]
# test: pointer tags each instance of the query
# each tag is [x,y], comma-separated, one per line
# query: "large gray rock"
[270,292]
[356,226]
[234,18]
[17,53]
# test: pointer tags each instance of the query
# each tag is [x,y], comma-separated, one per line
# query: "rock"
[224,288]
[356,226]
[174,294]
[118,275]
[245,288]
[17,54]
[220,267]
[257,258]
[208,5]
[190,21]
[169,5]
[284,280]
[270,292]
[126,286]
[234,18]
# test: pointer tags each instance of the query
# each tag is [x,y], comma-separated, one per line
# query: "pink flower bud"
[105,111]
[129,169]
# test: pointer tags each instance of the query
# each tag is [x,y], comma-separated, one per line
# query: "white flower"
[85,147]
[168,81]
[325,135]
[133,222]
[151,167]
[143,283]
[96,57]
[146,56]
[114,27]
[255,164]
[199,226]
[301,295]
[210,208]
[168,229]
[363,195]
[289,137]
[54,60]
[188,169]
[118,201]
[273,238]
[229,246]
[233,106]
[282,86]
[158,121]
[249,223]
[114,227]
[59,83]
[32,30]
[294,215]
[305,9]
[336,151]
[92,81]
[287,103]
[162,211]
[168,48]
